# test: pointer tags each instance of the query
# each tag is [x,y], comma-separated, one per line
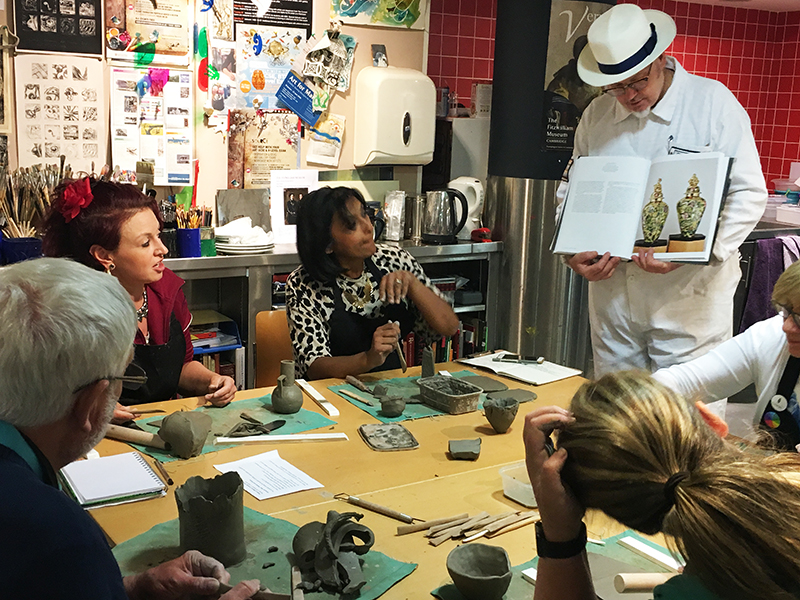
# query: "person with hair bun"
[640,453]
[115,228]
[351,298]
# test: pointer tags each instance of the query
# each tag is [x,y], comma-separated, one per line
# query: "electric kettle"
[440,223]
[472,188]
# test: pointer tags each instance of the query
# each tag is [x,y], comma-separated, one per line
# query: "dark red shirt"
[165,297]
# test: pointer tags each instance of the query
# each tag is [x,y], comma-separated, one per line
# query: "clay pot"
[500,412]
[211,517]
[287,398]
[392,406]
[480,571]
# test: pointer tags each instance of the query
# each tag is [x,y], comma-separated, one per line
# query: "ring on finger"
[398,282]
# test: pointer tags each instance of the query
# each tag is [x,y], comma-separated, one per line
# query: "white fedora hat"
[623,41]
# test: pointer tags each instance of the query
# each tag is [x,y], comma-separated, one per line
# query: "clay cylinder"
[287,397]
[500,412]
[211,517]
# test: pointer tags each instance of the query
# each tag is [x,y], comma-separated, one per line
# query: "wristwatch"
[568,549]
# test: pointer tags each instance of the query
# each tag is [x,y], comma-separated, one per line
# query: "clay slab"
[516,394]
[487,384]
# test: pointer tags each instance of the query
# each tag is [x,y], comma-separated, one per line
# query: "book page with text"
[603,206]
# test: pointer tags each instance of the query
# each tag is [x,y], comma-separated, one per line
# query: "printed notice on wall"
[154,126]
[59,26]
[387,13]
[281,13]
[146,32]
[60,110]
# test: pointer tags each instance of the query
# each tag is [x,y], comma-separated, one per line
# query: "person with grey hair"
[66,338]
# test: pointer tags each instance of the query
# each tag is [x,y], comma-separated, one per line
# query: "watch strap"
[568,549]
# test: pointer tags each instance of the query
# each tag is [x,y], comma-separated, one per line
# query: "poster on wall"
[286,190]
[61,110]
[386,13]
[155,126]
[263,59]
[147,32]
[259,143]
[566,96]
[281,13]
[72,26]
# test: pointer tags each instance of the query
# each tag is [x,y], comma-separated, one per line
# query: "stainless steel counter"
[241,286]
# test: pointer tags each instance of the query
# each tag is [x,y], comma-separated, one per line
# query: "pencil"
[163,472]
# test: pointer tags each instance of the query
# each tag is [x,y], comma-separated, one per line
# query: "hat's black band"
[634,60]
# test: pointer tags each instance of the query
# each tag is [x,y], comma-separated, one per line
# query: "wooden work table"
[423,483]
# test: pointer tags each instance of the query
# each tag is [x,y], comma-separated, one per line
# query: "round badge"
[779,403]
[772,420]
[245,86]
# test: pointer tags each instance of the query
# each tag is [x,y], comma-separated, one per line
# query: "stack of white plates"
[224,248]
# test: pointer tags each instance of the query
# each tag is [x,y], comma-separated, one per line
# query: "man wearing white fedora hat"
[649,314]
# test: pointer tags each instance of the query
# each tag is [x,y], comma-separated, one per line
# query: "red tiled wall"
[753,52]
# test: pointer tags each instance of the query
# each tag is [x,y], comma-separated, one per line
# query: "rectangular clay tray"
[386,437]
[449,394]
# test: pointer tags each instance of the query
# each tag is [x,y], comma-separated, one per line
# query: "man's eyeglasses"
[134,378]
[785,312]
[636,86]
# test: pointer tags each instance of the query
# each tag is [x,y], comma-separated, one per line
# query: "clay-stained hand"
[396,285]
[121,414]
[592,266]
[188,576]
[383,343]
[560,512]
[221,390]
[645,261]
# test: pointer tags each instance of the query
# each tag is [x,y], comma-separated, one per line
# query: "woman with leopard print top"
[351,298]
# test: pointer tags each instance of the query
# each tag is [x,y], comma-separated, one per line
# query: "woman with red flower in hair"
[115,228]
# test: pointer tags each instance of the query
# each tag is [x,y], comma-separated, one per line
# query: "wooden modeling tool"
[163,472]
[358,384]
[406,529]
[260,595]
[289,437]
[350,394]
[403,364]
[144,438]
[381,510]
[150,411]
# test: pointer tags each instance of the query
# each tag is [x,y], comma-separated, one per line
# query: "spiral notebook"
[111,480]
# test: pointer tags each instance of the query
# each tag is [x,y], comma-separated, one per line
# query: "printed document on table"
[267,475]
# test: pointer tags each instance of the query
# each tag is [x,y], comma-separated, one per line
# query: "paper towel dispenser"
[395,117]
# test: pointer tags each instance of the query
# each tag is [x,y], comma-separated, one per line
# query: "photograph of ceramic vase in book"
[654,215]
[690,212]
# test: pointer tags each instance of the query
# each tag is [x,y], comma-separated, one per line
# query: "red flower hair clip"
[77,195]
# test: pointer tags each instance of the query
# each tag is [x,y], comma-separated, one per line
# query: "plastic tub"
[517,485]
[782,185]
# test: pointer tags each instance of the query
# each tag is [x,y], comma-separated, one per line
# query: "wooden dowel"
[512,527]
[350,394]
[381,510]
[414,527]
[639,582]
[224,588]
[485,523]
[437,528]
[510,520]
[457,530]
[134,435]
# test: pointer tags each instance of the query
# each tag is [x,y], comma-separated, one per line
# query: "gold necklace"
[360,300]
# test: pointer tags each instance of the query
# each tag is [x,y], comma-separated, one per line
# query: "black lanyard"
[777,418]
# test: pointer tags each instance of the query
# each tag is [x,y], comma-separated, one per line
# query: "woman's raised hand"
[396,285]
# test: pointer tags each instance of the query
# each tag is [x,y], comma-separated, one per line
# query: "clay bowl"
[392,406]
[500,412]
[480,571]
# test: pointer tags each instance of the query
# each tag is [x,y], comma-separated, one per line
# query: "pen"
[163,472]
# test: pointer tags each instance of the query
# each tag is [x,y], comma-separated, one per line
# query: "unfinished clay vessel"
[392,406]
[185,432]
[287,398]
[500,412]
[480,571]
[211,517]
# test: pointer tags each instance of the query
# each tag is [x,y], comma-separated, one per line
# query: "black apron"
[162,363]
[778,419]
[352,333]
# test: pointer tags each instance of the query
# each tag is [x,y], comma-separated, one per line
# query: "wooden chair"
[273,345]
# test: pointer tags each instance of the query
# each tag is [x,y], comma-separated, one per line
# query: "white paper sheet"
[267,475]
[286,188]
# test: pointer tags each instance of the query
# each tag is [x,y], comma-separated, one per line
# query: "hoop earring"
[110,267]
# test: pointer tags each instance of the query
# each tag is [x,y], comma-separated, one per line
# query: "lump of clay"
[465,449]
[185,432]
[392,406]
[328,553]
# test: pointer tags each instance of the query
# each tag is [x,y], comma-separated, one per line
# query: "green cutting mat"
[226,417]
[399,386]
[161,543]
[522,590]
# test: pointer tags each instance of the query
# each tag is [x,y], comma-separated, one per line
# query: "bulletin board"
[152,119]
